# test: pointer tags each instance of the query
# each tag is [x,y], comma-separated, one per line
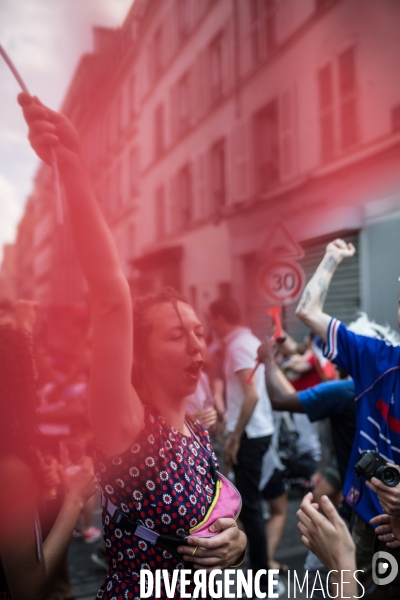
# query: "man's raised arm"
[310,308]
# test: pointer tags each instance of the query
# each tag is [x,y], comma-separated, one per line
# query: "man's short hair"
[226,308]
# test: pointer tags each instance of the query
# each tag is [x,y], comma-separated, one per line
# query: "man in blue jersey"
[374,366]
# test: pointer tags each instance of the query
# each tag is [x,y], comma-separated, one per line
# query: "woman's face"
[176,349]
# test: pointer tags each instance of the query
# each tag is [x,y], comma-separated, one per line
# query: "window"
[266,136]
[183,104]
[263,28]
[159,126]
[348,98]
[326,112]
[134,171]
[216,68]
[287,133]
[337,92]
[185,196]
[160,213]
[240,156]
[218,175]
[201,185]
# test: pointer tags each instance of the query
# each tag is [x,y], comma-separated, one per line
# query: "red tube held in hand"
[275,313]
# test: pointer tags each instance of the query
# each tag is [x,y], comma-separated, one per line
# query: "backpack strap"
[136,528]
[213,468]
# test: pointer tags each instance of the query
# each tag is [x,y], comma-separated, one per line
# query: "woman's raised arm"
[116,413]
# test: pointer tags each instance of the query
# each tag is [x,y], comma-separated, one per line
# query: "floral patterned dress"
[164,480]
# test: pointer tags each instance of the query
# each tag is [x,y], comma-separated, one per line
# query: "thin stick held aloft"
[13,70]
[59,206]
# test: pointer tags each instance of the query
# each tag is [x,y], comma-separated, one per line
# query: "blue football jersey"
[374,366]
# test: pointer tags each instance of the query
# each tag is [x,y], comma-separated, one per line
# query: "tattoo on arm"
[329,264]
[305,299]
[323,286]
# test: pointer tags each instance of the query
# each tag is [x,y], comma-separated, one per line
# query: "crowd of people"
[171,413]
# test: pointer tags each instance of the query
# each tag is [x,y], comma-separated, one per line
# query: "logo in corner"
[384,568]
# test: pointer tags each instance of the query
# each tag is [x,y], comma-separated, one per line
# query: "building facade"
[7,273]
[207,122]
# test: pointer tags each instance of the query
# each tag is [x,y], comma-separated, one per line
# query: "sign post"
[281,278]
[281,282]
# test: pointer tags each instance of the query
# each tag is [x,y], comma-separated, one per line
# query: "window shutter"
[201,84]
[200,208]
[326,112]
[348,98]
[240,162]
[193,89]
[288,134]
[174,204]
[206,87]
[173,107]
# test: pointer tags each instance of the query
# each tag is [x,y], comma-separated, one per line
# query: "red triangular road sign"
[280,244]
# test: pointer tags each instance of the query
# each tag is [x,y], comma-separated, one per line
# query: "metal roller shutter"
[343,300]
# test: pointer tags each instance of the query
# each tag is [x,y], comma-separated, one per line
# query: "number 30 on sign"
[281,282]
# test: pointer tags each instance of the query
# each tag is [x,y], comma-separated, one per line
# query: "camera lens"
[390,476]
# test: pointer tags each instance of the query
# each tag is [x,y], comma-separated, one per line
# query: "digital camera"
[372,464]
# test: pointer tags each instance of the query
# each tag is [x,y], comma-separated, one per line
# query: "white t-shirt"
[241,353]
[202,398]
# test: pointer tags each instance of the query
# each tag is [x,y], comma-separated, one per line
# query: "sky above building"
[45,39]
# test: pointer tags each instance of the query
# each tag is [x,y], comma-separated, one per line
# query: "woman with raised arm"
[154,467]
[28,567]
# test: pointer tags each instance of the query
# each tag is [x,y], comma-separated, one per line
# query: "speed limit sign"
[281,282]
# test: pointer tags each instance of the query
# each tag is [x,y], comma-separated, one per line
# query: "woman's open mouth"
[194,369]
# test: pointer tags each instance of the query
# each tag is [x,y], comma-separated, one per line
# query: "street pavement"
[86,577]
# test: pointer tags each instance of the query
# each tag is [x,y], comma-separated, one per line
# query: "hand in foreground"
[208,417]
[340,250]
[265,354]
[231,450]
[217,552]
[388,497]
[82,484]
[48,130]
[326,536]
[387,530]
